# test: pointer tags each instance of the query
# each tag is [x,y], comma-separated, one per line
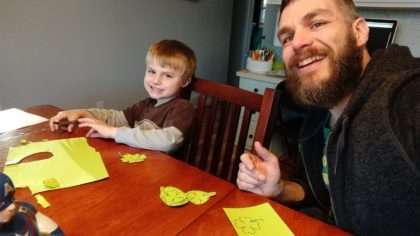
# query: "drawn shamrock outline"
[248,225]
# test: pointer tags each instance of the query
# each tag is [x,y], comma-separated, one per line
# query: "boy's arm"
[148,136]
[166,137]
[111,117]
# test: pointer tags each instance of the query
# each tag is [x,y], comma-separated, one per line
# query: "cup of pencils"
[260,61]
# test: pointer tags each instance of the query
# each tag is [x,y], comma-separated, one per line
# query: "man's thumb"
[262,152]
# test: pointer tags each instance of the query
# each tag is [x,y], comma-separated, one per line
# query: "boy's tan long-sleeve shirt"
[150,124]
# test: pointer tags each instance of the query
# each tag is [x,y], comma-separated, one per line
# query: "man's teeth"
[309,60]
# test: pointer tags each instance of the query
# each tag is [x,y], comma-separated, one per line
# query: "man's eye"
[316,25]
[286,40]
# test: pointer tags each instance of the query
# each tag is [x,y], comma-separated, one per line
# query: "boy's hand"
[98,128]
[70,116]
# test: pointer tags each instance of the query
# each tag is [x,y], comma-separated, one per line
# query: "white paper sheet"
[11,119]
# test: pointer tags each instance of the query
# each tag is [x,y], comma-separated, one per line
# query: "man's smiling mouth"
[309,61]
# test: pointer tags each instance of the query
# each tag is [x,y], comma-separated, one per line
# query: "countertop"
[262,77]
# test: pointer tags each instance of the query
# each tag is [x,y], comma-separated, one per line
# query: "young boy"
[158,122]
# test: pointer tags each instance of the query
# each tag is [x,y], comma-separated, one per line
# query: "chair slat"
[208,133]
[230,142]
[215,144]
[220,137]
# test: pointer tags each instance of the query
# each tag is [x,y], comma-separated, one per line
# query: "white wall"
[73,53]
[408,32]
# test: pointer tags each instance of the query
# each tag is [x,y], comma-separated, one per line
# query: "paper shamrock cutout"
[199,197]
[173,196]
[132,158]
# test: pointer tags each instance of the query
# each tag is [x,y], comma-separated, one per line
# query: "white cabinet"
[256,83]
[273,1]
[388,3]
[408,4]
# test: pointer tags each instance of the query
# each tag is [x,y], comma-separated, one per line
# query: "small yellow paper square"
[257,220]
[42,201]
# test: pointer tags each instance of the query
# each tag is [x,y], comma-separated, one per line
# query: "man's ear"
[361,31]
[187,81]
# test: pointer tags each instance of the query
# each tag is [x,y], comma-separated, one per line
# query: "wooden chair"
[221,124]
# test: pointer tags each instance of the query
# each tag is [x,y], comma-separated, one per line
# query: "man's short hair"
[346,6]
[174,54]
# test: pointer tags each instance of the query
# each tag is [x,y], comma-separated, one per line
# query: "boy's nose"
[157,79]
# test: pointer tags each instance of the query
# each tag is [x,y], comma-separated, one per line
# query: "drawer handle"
[251,136]
[256,90]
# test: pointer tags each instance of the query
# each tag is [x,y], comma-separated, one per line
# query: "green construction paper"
[172,196]
[132,158]
[198,197]
[257,220]
[73,163]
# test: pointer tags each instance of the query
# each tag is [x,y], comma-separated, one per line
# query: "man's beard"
[343,78]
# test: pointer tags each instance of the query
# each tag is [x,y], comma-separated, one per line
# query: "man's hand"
[260,174]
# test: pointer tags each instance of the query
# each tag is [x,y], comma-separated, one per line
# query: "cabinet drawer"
[255,85]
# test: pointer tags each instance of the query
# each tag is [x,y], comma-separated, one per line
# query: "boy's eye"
[169,76]
[150,71]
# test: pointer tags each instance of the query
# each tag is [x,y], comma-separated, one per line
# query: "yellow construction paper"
[73,162]
[257,220]
[42,201]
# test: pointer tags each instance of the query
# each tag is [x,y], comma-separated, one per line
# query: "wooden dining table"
[128,202]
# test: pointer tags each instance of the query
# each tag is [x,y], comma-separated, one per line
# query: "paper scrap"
[51,183]
[73,162]
[132,158]
[11,119]
[257,220]
[173,196]
[42,201]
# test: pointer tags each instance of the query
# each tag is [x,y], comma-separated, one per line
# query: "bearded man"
[360,140]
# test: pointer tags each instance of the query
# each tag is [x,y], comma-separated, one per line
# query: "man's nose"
[301,40]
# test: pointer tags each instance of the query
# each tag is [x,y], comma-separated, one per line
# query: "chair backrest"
[221,124]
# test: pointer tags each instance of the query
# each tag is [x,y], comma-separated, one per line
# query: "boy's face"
[163,82]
